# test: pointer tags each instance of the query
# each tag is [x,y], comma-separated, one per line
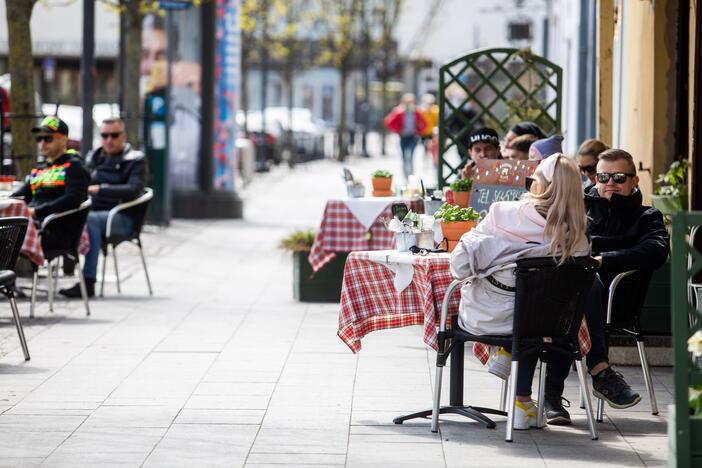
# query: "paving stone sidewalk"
[222,368]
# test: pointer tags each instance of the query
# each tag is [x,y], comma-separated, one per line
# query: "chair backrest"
[12,231]
[550,299]
[629,298]
[137,212]
[64,229]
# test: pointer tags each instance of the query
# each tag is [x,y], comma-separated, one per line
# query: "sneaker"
[74,291]
[500,363]
[610,386]
[524,415]
[556,414]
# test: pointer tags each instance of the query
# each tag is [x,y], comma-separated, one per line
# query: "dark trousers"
[595,314]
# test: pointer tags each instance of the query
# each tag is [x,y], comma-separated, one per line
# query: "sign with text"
[499,180]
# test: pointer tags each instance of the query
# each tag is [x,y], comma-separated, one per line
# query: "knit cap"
[545,147]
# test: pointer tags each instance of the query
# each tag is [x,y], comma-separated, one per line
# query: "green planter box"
[324,286]
[655,316]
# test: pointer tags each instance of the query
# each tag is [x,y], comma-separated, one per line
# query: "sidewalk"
[222,368]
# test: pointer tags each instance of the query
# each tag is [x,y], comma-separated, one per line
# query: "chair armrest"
[447,297]
[612,288]
[54,216]
[143,198]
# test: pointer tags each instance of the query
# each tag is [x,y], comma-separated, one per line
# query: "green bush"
[298,241]
[452,213]
[674,181]
[381,173]
[462,185]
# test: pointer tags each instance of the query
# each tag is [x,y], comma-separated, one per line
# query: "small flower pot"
[462,199]
[382,184]
[454,230]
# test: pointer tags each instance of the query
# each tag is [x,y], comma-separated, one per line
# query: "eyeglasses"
[44,138]
[113,135]
[528,182]
[617,177]
[587,169]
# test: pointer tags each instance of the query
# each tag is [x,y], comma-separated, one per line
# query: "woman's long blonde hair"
[561,203]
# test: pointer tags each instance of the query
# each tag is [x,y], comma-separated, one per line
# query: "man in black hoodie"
[626,235]
[117,175]
[59,184]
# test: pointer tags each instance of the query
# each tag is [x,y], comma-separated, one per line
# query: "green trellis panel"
[684,430]
[495,88]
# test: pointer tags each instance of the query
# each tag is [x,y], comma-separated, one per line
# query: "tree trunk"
[133,51]
[21,67]
[245,58]
[288,78]
[384,110]
[341,131]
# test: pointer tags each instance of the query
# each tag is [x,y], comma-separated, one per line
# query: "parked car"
[267,141]
[307,133]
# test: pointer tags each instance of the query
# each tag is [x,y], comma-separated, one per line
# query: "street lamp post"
[87,80]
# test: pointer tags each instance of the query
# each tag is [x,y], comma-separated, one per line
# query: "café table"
[355,224]
[390,289]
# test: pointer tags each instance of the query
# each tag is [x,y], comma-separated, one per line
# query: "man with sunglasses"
[58,184]
[117,175]
[625,235]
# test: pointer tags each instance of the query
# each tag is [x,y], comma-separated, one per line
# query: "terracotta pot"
[454,230]
[382,184]
[462,199]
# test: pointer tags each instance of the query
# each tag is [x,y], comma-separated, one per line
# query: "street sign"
[175,4]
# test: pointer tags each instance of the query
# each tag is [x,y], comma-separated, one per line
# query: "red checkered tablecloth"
[370,302]
[31,247]
[340,231]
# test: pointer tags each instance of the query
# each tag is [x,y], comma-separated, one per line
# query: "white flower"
[694,344]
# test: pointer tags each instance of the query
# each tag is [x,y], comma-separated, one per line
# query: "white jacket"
[511,230]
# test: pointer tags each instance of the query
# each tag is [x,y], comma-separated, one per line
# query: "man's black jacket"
[55,186]
[121,177]
[627,234]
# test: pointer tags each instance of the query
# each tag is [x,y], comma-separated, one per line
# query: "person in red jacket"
[409,123]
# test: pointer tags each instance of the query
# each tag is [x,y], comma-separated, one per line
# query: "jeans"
[595,314]
[407,144]
[122,225]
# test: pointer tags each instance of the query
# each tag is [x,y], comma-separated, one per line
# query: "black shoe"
[74,291]
[556,414]
[610,386]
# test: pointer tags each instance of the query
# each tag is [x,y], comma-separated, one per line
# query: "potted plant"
[462,190]
[308,286]
[382,183]
[671,196]
[455,221]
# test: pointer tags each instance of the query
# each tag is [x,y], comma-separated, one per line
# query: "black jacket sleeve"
[133,187]
[649,252]
[24,192]
[75,192]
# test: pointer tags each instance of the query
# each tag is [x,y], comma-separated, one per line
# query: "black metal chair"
[60,236]
[548,311]
[625,300]
[136,209]
[12,231]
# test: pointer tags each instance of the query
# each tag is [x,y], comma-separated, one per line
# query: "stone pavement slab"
[222,368]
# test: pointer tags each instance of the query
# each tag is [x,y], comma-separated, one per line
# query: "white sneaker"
[524,415]
[500,363]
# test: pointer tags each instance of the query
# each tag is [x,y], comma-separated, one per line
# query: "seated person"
[587,159]
[519,147]
[522,128]
[117,175]
[625,235]
[483,143]
[545,147]
[57,185]
[550,220]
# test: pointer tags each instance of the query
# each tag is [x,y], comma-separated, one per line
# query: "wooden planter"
[454,230]
[323,286]
[462,199]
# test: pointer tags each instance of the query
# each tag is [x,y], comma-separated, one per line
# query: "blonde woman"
[549,220]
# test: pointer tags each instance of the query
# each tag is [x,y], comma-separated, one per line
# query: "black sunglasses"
[112,135]
[617,177]
[588,169]
[45,138]
[528,182]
